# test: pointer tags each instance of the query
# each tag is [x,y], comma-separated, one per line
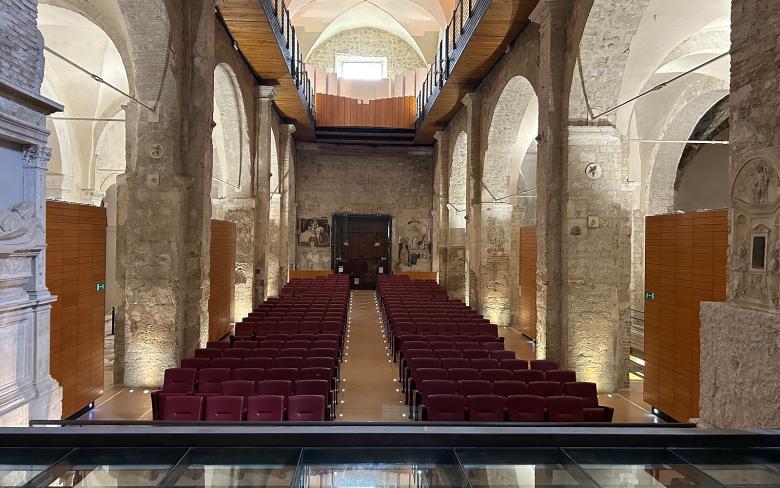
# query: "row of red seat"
[256,408]
[515,408]
[267,353]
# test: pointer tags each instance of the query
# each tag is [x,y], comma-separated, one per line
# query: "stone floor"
[370,392]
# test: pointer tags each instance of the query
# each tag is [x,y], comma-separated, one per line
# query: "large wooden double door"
[362,248]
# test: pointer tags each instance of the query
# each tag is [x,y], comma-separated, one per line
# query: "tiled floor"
[370,390]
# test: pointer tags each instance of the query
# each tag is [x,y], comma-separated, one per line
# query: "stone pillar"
[27,390]
[472,101]
[264,97]
[286,165]
[441,215]
[740,338]
[241,211]
[164,209]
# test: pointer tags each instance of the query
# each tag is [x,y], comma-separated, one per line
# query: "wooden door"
[362,248]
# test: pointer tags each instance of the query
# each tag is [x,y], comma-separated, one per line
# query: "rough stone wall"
[740,339]
[20,41]
[367,41]
[365,180]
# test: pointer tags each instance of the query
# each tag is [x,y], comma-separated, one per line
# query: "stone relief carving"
[754,262]
[20,229]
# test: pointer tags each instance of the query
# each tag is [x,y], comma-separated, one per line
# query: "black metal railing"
[279,16]
[444,60]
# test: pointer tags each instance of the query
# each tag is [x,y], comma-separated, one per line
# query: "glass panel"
[379,468]
[521,468]
[18,466]
[639,468]
[737,467]
[115,467]
[238,467]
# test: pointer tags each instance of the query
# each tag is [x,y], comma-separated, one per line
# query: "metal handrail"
[279,14]
[443,62]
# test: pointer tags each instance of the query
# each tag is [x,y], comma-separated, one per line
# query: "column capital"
[440,136]
[287,128]
[545,10]
[470,99]
[265,91]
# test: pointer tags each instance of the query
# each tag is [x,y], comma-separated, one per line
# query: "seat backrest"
[486,408]
[220,344]
[293,352]
[195,363]
[561,375]
[179,380]
[484,363]
[543,364]
[289,362]
[493,346]
[446,408]
[320,362]
[514,364]
[435,344]
[464,345]
[476,354]
[224,408]
[242,388]
[488,329]
[525,408]
[509,388]
[236,353]
[229,363]
[306,408]
[315,373]
[248,374]
[242,344]
[210,379]
[473,387]
[545,388]
[419,353]
[311,387]
[265,408]
[458,374]
[492,375]
[274,387]
[208,353]
[182,408]
[422,374]
[565,409]
[501,355]
[583,389]
[265,352]
[417,363]
[449,363]
[271,344]
[289,374]
[436,387]
[448,353]
[319,352]
[415,345]
[529,375]
[261,363]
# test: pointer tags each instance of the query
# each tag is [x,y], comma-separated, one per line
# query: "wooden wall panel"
[75,264]
[393,113]
[222,273]
[685,264]
[528,281]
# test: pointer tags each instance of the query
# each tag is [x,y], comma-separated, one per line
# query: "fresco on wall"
[314,232]
[414,246]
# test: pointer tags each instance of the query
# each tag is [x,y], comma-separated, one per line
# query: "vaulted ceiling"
[418,22]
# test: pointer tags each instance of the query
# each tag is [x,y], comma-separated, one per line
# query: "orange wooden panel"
[528,281]
[222,278]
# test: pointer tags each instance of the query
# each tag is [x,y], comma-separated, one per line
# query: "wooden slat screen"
[75,264]
[528,281]
[222,273]
[393,113]
[685,264]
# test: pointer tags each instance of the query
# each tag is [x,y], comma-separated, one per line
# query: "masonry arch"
[513,128]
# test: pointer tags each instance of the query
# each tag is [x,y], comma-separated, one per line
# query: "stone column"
[164,212]
[472,101]
[740,338]
[440,211]
[287,145]
[264,97]
[241,211]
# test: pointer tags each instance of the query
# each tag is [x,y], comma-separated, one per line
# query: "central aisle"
[366,374]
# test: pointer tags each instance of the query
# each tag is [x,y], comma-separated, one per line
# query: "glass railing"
[391,467]
[456,34]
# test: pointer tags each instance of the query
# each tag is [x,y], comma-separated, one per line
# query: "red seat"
[293,352]
[509,388]
[260,363]
[545,388]
[176,382]
[502,355]
[227,363]
[565,409]
[445,408]
[271,344]
[236,353]
[561,375]
[492,375]
[447,353]
[486,408]
[208,353]
[265,408]
[450,363]
[484,363]
[306,408]
[288,374]
[182,408]
[289,362]
[467,388]
[543,364]
[274,387]
[525,408]
[467,329]
[217,345]
[528,375]
[248,374]
[514,364]
[493,346]
[319,362]
[589,395]
[458,374]
[243,388]
[298,343]
[210,381]
[195,363]
[315,373]
[242,344]
[224,408]
[463,346]
[476,354]
[319,352]
[263,352]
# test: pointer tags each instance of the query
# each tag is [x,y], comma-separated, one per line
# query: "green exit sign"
[100,287]
[649,295]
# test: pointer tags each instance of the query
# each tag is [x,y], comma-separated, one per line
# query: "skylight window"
[361,67]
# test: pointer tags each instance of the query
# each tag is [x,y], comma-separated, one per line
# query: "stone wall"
[367,41]
[365,180]
[740,339]
[21,61]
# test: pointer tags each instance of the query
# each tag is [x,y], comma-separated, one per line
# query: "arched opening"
[230,191]
[513,127]
[457,275]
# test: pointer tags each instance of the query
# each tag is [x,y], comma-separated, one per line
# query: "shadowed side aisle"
[367,374]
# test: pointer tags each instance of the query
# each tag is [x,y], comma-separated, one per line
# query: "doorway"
[362,248]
